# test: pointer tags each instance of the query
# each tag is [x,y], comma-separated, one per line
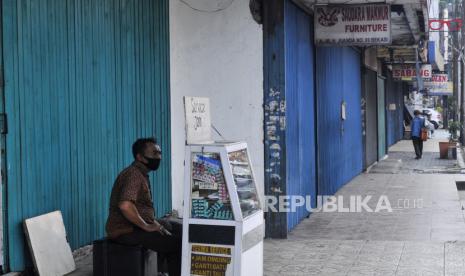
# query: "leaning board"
[51,253]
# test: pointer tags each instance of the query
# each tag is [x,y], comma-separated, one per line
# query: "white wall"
[216,55]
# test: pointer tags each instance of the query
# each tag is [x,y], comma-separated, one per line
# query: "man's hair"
[416,112]
[140,145]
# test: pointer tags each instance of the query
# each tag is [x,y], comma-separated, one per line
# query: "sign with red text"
[440,78]
[408,72]
[445,25]
[353,24]
[439,85]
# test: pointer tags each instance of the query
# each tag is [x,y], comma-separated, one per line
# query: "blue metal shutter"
[340,148]
[300,109]
[84,79]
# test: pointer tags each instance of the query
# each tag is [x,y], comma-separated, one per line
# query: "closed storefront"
[395,110]
[369,104]
[83,80]
[300,114]
[339,121]
[289,95]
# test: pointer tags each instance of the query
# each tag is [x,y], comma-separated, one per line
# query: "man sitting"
[131,219]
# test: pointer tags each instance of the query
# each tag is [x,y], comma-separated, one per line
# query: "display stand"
[223,224]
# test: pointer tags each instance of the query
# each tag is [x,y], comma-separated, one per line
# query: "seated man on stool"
[131,219]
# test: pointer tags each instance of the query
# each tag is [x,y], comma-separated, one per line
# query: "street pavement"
[423,235]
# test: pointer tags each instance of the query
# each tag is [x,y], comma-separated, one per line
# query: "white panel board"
[51,253]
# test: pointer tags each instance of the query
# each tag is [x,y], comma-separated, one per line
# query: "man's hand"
[153,228]
[129,211]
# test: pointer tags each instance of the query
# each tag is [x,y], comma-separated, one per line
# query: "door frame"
[3,168]
[382,141]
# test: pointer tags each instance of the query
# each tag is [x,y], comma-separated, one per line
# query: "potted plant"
[454,128]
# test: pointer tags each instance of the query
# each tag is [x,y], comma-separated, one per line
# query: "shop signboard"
[342,25]
[439,85]
[408,72]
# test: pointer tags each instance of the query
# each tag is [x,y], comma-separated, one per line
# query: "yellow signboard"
[211,260]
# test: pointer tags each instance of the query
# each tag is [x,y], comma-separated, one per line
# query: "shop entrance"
[370,117]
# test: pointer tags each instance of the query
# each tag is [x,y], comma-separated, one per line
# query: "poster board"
[211,259]
[198,120]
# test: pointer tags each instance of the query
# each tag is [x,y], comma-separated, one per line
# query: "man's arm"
[130,212]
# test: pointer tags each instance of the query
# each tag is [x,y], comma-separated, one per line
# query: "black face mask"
[153,163]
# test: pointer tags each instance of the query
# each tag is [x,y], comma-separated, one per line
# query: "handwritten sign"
[198,121]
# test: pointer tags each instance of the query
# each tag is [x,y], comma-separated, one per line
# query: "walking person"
[417,124]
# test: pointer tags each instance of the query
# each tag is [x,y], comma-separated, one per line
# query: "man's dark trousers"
[168,245]
[418,145]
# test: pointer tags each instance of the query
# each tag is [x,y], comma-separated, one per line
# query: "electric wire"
[207,11]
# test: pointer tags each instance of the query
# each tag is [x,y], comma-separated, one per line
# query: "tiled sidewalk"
[423,235]
[364,257]
[405,162]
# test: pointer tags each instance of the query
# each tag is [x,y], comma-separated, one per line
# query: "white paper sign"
[353,24]
[198,120]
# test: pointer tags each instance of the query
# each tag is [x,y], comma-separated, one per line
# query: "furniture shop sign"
[408,72]
[353,24]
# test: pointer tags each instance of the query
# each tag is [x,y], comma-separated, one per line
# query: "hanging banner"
[408,72]
[353,24]
[439,85]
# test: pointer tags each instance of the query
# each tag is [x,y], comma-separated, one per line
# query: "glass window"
[210,197]
[245,184]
